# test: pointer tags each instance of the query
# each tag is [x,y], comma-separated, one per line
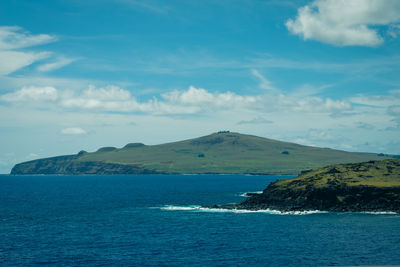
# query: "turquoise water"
[155,220]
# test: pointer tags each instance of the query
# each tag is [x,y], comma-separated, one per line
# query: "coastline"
[372,186]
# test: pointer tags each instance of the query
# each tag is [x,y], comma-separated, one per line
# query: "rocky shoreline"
[334,188]
[340,199]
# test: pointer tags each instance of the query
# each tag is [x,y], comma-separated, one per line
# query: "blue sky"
[84,74]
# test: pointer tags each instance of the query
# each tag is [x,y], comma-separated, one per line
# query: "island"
[223,152]
[372,186]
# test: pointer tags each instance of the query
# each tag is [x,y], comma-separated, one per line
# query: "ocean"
[153,220]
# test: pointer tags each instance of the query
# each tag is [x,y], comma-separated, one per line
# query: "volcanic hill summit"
[222,153]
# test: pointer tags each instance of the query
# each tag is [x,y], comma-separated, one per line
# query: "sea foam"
[380,212]
[267,211]
[246,193]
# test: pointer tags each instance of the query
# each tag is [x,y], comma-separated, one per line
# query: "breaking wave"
[267,211]
[246,194]
[380,212]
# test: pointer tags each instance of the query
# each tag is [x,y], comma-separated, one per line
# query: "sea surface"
[129,220]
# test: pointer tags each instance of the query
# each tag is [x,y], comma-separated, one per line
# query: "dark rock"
[333,171]
[336,198]
[82,152]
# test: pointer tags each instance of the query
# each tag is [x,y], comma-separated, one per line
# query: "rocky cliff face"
[332,198]
[70,165]
[370,186]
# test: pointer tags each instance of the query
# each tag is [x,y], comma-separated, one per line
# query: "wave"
[380,212]
[267,211]
[246,194]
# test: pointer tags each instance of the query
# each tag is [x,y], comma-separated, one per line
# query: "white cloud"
[59,63]
[11,61]
[110,93]
[201,97]
[31,93]
[110,98]
[344,23]
[14,37]
[191,101]
[317,104]
[191,96]
[73,131]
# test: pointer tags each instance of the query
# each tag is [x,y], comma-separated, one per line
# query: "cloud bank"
[177,102]
[31,93]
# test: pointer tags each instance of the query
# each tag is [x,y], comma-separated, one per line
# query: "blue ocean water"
[148,220]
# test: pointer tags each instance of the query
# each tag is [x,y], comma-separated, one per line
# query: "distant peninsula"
[372,186]
[218,153]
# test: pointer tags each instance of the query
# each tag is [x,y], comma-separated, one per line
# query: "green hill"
[222,152]
[372,186]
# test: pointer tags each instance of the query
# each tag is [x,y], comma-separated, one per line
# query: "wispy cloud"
[14,37]
[382,101]
[12,59]
[344,23]
[57,64]
[264,83]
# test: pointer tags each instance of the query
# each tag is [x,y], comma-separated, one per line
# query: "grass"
[228,153]
[385,173]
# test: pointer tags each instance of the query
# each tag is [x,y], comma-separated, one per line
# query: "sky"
[79,75]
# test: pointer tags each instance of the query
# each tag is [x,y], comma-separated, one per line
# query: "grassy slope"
[385,173]
[228,153]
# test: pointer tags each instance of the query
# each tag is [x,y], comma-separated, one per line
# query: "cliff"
[71,165]
[372,186]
